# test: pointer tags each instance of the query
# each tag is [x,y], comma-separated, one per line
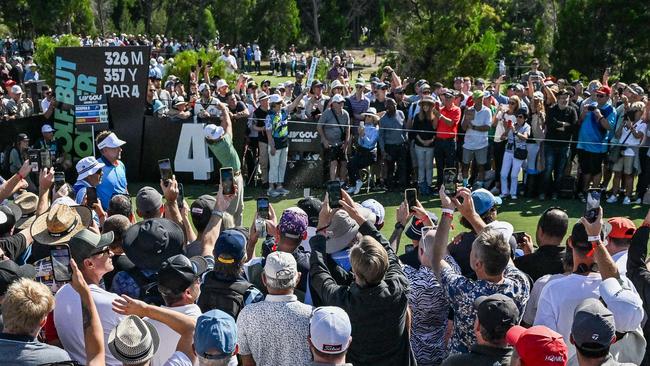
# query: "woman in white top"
[505,115]
[515,153]
[630,134]
[537,130]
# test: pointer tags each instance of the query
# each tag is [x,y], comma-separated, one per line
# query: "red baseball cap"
[538,345]
[622,228]
[9,83]
[605,90]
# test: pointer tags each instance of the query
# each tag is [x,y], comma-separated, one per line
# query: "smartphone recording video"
[449,181]
[166,173]
[91,196]
[263,208]
[45,159]
[593,204]
[411,197]
[34,160]
[227,181]
[334,193]
[60,256]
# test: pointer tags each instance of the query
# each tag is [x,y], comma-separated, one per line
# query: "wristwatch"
[399,226]
[216,212]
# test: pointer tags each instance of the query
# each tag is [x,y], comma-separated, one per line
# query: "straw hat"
[60,223]
[133,340]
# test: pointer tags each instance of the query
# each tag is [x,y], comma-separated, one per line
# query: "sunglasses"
[102,253]
[600,95]
[521,116]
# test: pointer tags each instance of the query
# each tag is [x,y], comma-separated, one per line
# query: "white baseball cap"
[213,132]
[202,87]
[376,208]
[46,129]
[16,89]
[88,166]
[280,266]
[221,83]
[337,98]
[505,228]
[111,141]
[330,330]
[274,98]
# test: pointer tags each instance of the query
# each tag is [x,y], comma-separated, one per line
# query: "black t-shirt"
[379,106]
[14,245]
[424,129]
[260,117]
[554,116]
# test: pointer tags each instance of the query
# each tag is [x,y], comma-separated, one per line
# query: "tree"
[277,22]
[207,28]
[234,17]
[44,53]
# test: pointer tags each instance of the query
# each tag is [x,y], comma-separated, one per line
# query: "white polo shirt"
[476,140]
[168,337]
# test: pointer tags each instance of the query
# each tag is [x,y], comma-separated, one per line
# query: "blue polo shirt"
[592,135]
[113,181]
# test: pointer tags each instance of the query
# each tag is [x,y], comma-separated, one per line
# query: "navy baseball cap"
[484,200]
[215,335]
[230,247]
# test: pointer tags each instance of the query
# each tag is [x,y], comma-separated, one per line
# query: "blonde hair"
[369,261]
[25,305]
[516,99]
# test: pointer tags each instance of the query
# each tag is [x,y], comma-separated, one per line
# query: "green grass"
[522,213]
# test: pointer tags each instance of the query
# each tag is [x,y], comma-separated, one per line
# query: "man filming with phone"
[89,176]
[219,140]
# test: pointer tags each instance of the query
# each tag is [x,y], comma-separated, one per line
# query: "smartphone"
[181,196]
[306,192]
[519,236]
[334,193]
[411,197]
[59,180]
[34,160]
[60,256]
[263,207]
[227,181]
[166,172]
[593,203]
[91,196]
[449,181]
[591,108]
[45,159]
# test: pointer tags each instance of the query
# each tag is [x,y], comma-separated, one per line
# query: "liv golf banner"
[116,76]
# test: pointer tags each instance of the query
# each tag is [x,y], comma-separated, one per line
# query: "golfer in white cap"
[114,172]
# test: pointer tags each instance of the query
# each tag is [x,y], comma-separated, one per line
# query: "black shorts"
[335,153]
[590,163]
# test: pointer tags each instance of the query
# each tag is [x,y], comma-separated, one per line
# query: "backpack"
[567,187]
[148,287]
[225,296]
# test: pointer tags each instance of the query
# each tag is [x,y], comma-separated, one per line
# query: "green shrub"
[44,47]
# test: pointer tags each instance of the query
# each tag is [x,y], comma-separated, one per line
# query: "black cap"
[201,210]
[86,243]
[414,230]
[312,207]
[21,137]
[178,272]
[496,312]
[11,272]
[148,243]
[9,215]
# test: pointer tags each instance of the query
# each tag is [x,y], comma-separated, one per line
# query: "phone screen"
[59,180]
[91,196]
[46,159]
[519,236]
[263,207]
[60,256]
[334,193]
[449,179]
[165,167]
[227,181]
[181,195]
[411,197]
[34,160]
[593,204]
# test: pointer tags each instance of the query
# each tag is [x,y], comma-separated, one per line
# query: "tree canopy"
[431,38]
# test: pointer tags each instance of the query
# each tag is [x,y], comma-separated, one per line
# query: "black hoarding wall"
[118,72]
